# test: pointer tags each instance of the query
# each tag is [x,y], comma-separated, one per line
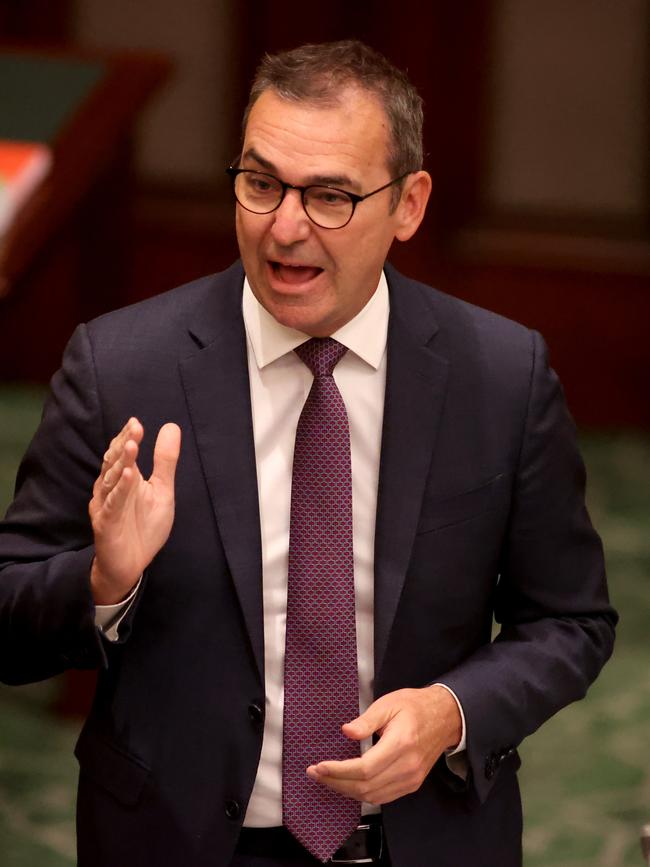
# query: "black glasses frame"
[232,172]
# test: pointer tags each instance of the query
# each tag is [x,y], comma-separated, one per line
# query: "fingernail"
[108,478]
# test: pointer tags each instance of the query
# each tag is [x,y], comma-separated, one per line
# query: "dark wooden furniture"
[66,257]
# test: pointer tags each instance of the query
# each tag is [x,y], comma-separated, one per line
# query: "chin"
[292,313]
[301,323]
[299,319]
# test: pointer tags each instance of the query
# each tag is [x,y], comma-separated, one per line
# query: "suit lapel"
[217,389]
[415,388]
[215,378]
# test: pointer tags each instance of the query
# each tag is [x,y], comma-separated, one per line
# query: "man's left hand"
[415,726]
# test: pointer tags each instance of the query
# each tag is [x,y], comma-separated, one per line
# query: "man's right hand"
[131,517]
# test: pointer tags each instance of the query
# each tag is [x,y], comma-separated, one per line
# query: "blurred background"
[538,141]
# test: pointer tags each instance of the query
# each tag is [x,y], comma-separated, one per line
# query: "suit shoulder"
[462,330]
[457,318]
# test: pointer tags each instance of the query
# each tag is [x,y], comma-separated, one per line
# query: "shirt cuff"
[109,617]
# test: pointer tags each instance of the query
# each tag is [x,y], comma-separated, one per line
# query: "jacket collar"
[416,383]
[215,378]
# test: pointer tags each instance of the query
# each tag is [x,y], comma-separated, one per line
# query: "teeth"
[294,265]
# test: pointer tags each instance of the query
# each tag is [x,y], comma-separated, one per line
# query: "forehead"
[300,137]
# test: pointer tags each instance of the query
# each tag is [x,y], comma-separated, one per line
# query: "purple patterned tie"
[321,687]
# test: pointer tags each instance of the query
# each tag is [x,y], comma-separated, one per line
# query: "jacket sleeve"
[557,627]
[46,608]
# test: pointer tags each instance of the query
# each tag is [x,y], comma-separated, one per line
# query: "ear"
[412,204]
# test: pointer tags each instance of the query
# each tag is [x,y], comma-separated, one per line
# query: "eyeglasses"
[326,206]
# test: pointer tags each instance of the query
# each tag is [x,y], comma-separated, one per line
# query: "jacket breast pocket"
[111,768]
[465,505]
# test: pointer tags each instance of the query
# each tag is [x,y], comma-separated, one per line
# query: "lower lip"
[295,285]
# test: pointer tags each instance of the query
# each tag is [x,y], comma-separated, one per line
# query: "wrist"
[107,591]
[450,714]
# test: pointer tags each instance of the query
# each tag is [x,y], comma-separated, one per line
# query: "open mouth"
[294,274]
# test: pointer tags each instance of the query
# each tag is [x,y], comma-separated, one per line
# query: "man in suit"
[465,501]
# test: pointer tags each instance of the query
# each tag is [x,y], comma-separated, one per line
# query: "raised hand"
[416,727]
[131,516]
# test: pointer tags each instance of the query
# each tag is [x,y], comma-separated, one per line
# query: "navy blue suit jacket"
[480,514]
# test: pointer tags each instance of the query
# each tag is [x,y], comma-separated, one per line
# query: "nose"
[290,223]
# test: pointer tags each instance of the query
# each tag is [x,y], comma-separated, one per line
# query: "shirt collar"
[365,335]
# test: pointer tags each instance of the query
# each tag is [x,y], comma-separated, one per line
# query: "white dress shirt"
[280,383]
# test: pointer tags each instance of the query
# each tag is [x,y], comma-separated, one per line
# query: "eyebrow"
[342,181]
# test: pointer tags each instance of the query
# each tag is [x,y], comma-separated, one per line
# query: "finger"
[132,430]
[114,446]
[403,776]
[117,498]
[389,790]
[165,455]
[373,762]
[102,488]
[348,788]
[387,794]
[371,720]
[348,769]
[109,479]
[362,727]
[373,793]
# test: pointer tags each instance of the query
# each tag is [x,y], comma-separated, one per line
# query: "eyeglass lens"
[262,193]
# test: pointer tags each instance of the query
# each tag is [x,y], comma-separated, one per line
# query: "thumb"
[374,719]
[165,454]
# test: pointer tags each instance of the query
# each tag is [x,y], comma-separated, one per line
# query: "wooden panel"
[595,326]
[66,257]
[44,21]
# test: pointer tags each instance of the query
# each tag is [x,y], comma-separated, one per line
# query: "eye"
[328,197]
[260,185]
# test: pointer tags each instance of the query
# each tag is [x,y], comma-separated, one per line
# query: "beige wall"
[567,82]
[184,133]
[569,102]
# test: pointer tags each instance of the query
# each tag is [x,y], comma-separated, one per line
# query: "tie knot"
[321,354]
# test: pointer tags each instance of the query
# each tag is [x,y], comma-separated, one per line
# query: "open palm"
[131,516]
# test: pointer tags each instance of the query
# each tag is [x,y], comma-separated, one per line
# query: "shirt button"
[255,713]
[232,809]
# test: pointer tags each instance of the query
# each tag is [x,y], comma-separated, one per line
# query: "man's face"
[308,278]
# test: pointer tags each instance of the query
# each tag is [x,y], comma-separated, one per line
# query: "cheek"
[364,255]
[249,233]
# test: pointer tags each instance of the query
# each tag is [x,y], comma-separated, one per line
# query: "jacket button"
[491,765]
[255,713]
[232,809]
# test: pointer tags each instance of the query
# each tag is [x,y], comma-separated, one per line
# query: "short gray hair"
[318,73]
